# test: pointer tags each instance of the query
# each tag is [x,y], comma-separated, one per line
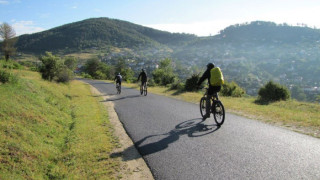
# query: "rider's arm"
[205,76]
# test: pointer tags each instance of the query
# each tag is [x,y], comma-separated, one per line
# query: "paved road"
[176,144]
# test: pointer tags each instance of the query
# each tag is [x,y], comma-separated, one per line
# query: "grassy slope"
[53,131]
[302,117]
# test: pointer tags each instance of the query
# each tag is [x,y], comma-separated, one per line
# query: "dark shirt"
[118,78]
[143,76]
[206,75]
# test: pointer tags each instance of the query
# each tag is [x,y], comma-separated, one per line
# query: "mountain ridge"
[249,53]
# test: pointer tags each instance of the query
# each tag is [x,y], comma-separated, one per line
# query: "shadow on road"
[192,128]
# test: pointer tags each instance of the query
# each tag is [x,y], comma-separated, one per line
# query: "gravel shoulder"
[133,166]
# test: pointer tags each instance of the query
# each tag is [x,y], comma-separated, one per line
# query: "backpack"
[216,77]
[119,78]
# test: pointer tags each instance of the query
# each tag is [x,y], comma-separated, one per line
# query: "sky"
[199,17]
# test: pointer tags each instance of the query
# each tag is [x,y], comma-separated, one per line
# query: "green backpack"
[216,77]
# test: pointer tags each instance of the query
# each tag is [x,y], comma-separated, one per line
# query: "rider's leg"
[208,105]
[208,101]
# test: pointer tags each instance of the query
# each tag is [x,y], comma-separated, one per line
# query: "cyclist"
[118,79]
[143,76]
[211,90]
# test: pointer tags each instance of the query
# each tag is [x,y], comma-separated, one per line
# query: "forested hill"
[249,54]
[98,32]
[102,32]
[266,32]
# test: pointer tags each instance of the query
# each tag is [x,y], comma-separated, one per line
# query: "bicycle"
[217,108]
[144,89]
[118,86]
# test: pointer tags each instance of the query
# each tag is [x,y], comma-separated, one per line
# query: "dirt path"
[133,167]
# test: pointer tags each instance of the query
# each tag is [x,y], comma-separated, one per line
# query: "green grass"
[54,131]
[302,117]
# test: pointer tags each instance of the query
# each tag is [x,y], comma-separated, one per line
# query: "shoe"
[206,116]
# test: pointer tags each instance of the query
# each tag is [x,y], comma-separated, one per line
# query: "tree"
[164,74]
[126,72]
[50,66]
[98,70]
[70,62]
[7,34]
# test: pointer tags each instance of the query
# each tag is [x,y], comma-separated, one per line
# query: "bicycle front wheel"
[218,112]
[203,106]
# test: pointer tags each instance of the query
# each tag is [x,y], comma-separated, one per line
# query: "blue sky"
[200,17]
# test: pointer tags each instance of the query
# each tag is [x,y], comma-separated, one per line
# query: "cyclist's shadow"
[192,128]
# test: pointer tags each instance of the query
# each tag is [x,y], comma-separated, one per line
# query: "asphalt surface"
[177,144]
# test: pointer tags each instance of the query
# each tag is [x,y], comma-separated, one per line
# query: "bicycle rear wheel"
[218,112]
[141,90]
[203,106]
[145,90]
[118,89]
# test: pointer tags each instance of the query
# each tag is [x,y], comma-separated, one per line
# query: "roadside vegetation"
[303,117]
[53,130]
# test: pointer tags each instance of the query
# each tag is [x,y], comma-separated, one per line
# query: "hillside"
[97,32]
[48,131]
[253,53]
[250,54]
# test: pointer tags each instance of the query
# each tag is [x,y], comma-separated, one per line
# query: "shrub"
[6,77]
[64,75]
[86,75]
[164,74]
[191,83]
[99,75]
[11,65]
[50,65]
[177,86]
[232,89]
[151,83]
[273,92]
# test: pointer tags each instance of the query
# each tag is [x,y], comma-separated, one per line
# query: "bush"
[232,89]
[100,75]
[50,65]
[151,83]
[273,92]
[177,86]
[164,74]
[6,77]
[11,65]
[86,75]
[64,75]
[191,83]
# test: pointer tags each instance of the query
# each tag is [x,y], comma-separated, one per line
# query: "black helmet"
[210,65]
[142,69]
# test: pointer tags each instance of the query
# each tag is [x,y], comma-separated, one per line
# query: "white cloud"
[26,27]
[198,28]
[4,2]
